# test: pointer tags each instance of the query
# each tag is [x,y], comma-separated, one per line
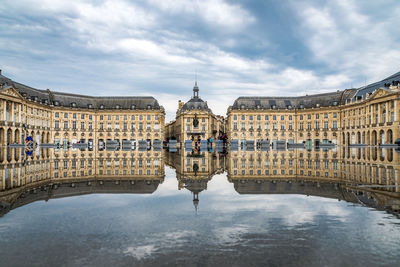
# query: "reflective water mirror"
[200,207]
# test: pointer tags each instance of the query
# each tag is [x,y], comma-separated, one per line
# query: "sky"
[235,48]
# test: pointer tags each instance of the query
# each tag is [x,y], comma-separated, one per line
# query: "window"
[101,117]
[57,124]
[301,117]
[282,118]
[125,126]
[65,124]
[101,126]
[74,125]
[334,126]
[325,125]
[82,125]
[235,125]
[266,117]
[317,116]
[65,115]
[117,117]
[74,116]
[57,115]
[90,125]
[132,126]
[290,117]
[133,117]
[82,116]
[251,117]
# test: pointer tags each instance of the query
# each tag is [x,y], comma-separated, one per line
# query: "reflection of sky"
[229,229]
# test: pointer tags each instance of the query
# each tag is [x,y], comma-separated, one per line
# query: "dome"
[195,102]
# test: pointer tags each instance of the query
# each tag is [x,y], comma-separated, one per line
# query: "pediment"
[11,92]
[381,93]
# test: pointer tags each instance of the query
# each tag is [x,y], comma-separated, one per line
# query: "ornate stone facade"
[369,115]
[195,121]
[61,118]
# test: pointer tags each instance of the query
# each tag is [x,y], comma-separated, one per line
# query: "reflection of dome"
[196,102]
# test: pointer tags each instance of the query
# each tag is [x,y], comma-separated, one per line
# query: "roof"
[195,103]
[81,101]
[369,89]
[308,101]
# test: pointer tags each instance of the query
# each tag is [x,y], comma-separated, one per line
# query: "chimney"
[180,104]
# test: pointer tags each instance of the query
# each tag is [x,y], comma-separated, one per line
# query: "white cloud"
[349,41]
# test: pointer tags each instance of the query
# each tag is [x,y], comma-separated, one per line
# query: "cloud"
[156,47]
[345,36]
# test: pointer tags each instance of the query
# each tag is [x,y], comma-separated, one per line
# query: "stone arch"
[343,138]
[348,138]
[374,138]
[382,137]
[9,141]
[358,137]
[389,136]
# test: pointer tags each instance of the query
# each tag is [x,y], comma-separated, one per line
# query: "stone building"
[368,115]
[65,119]
[195,121]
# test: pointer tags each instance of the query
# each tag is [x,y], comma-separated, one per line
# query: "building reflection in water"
[63,173]
[195,169]
[370,176]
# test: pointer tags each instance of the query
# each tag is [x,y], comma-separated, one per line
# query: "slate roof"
[81,101]
[363,91]
[195,103]
[308,101]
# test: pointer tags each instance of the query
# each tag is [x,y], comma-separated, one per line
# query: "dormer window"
[289,107]
[148,106]
[273,106]
[90,106]
[335,103]
[56,103]
[73,104]
[133,106]
[258,106]
[101,106]
[301,106]
[242,106]
[117,106]
[317,105]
